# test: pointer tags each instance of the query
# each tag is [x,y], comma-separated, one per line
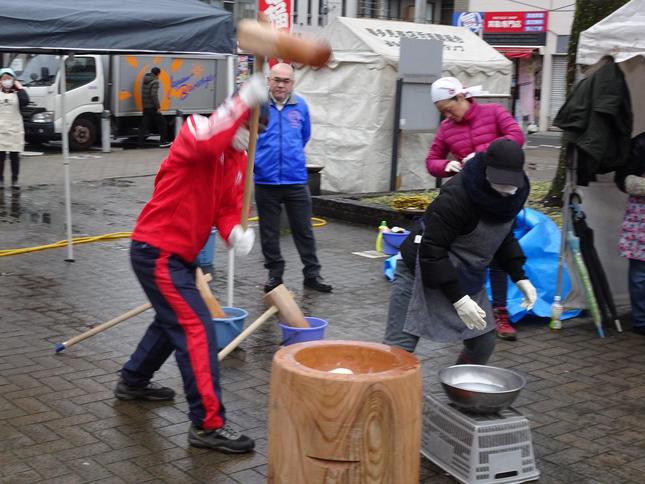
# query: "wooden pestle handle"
[211,301]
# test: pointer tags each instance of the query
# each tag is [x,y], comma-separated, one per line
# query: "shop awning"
[516,52]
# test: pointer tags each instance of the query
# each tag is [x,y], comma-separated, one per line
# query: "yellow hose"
[316,222]
[63,243]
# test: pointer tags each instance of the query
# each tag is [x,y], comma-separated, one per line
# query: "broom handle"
[106,325]
[244,334]
[112,322]
[253,136]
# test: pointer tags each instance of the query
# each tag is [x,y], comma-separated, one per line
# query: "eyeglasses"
[281,80]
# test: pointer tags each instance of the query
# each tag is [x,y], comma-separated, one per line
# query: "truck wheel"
[82,134]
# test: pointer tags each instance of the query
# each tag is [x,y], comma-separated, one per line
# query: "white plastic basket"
[478,449]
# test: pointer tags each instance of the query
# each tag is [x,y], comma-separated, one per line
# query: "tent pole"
[68,201]
[556,307]
[396,136]
[230,76]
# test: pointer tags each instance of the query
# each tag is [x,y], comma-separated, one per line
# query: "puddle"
[13,210]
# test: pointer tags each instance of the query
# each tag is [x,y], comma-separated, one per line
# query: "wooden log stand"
[363,427]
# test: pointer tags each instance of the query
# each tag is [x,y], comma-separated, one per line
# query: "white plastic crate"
[478,449]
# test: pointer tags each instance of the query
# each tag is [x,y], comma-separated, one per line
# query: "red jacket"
[199,185]
[482,124]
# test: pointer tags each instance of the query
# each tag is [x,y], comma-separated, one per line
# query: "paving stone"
[60,422]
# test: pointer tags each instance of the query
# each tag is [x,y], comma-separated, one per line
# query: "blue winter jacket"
[280,152]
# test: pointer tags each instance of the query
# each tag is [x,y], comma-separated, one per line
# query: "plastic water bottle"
[379,238]
[556,312]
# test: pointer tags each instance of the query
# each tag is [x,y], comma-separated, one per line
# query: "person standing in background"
[281,178]
[12,132]
[151,109]
[469,128]
[631,180]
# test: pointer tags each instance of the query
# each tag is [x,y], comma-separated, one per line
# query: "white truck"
[96,83]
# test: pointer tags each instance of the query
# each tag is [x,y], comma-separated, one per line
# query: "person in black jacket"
[152,109]
[438,290]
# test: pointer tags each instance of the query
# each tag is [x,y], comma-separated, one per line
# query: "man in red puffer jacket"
[199,185]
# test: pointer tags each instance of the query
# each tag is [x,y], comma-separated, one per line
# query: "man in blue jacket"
[281,178]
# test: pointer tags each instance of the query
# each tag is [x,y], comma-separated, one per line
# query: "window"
[79,71]
[562,44]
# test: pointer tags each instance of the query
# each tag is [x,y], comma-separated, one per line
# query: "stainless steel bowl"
[481,389]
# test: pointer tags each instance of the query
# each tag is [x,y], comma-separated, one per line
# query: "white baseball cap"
[448,87]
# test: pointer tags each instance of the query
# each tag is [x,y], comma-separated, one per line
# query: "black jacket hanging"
[597,117]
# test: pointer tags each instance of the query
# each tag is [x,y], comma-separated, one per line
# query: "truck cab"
[195,83]
[85,91]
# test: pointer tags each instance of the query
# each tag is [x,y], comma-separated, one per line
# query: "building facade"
[535,35]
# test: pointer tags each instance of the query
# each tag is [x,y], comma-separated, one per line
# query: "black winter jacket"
[597,118]
[635,163]
[450,215]
[150,91]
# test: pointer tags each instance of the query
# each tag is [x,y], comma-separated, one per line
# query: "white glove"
[255,91]
[470,313]
[241,139]
[453,167]
[241,240]
[530,294]
[472,155]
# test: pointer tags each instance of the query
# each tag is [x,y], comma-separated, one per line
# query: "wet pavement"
[585,397]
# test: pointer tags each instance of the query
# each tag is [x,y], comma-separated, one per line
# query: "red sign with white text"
[277,12]
[515,22]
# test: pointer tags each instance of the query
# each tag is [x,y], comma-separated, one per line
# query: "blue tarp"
[539,238]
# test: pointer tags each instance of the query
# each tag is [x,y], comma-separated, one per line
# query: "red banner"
[515,22]
[277,12]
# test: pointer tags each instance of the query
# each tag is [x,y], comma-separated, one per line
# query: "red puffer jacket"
[482,124]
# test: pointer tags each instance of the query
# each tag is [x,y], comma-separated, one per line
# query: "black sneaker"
[167,144]
[317,283]
[223,440]
[272,283]
[152,391]
[639,330]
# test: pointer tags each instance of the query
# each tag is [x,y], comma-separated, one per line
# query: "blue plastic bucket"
[227,329]
[392,241]
[207,254]
[291,335]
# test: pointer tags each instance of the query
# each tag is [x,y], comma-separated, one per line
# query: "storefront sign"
[474,21]
[515,22]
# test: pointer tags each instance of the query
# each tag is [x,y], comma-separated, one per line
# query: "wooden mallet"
[209,298]
[261,38]
[279,301]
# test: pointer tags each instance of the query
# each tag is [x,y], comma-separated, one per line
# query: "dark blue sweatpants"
[182,324]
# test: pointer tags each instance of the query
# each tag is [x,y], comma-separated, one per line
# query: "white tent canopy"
[622,36]
[352,100]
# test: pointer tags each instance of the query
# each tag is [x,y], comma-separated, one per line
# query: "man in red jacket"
[199,185]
